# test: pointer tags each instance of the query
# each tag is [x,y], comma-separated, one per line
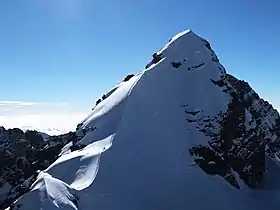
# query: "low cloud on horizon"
[52,118]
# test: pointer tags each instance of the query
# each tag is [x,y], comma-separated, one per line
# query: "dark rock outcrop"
[176,64]
[128,77]
[97,102]
[34,138]
[156,59]
[21,155]
[241,137]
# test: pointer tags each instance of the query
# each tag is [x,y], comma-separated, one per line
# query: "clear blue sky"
[75,50]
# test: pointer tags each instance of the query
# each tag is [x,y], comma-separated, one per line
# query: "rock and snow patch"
[21,154]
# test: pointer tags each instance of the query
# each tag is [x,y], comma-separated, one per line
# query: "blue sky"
[72,51]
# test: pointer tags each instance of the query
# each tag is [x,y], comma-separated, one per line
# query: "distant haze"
[51,118]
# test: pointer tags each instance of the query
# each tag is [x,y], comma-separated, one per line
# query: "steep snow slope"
[138,153]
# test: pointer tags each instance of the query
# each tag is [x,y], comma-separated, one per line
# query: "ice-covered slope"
[154,140]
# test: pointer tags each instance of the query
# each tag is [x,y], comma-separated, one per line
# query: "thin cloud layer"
[51,118]
[16,103]
[26,108]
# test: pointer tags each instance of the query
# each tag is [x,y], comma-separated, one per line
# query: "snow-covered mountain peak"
[177,132]
[183,69]
[183,44]
[187,48]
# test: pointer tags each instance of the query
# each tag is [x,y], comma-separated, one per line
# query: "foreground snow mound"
[49,192]
[176,133]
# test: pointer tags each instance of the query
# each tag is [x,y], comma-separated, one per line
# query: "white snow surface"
[50,192]
[137,157]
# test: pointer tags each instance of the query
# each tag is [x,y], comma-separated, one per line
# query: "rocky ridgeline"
[21,154]
[241,137]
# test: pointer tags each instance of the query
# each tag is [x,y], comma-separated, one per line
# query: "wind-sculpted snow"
[71,173]
[49,193]
[106,116]
[81,165]
[166,138]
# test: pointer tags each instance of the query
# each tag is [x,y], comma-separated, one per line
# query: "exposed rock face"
[21,154]
[156,58]
[239,138]
[34,138]
[128,77]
